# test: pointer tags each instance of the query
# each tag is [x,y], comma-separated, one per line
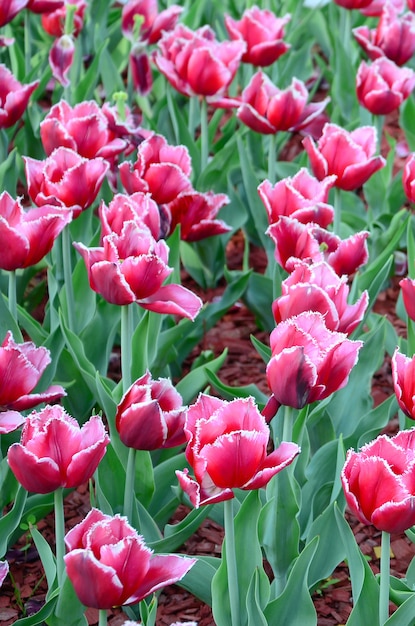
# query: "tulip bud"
[61,58]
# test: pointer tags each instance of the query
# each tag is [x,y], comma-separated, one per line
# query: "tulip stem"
[378,122]
[204,135]
[287,432]
[12,294]
[231,562]
[126,335]
[384,578]
[337,211]
[272,157]
[411,336]
[59,533]
[103,621]
[129,492]
[67,273]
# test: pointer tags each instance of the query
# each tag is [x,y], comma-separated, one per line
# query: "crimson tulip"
[308,361]
[131,267]
[54,451]
[9,9]
[54,22]
[4,570]
[378,482]
[27,236]
[196,213]
[161,169]
[151,415]
[44,6]
[408,177]
[263,33]
[227,449]
[317,287]
[347,155]
[196,64]
[403,375]
[140,69]
[84,128]
[14,97]
[21,368]
[407,286]
[393,38]
[153,24]
[65,179]
[138,207]
[300,197]
[266,109]
[109,564]
[353,4]
[382,86]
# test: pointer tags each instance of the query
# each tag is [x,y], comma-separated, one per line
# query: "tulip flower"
[403,376]
[4,570]
[227,449]
[151,415]
[14,97]
[54,451]
[317,287]
[161,169]
[196,213]
[196,64]
[347,155]
[407,286]
[9,9]
[375,8]
[353,4]
[21,368]
[382,86]
[378,482]
[54,22]
[65,179]
[153,24]
[131,267]
[263,33]
[44,6]
[308,361]
[27,236]
[393,38]
[300,197]
[109,564]
[408,177]
[84,128]
[138,207]
[61,57]
[267,109]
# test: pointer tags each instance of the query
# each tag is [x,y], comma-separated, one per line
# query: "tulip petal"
[10,421]
[95,584]
[35,474]
[174,299]
[275,462]
[164,570]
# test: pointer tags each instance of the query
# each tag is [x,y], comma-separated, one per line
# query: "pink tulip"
[109,564]
[375,8]
[263,33]
[9,9]
[309,362]
[393,38]
[140,69]
[227,449]
[382,86]
[347,155]
[196,64]
[4,570]
[84,128]
[27,236]
[127,127]
[131,267]
[353,4]
[267,109]
[54,23]
[44,6]
[378,482]
[138,207]
[61,57]
[317,287]
[21,368]
[407,286]
[301,197]
[154,23]
[161,169]
[196,213]
[408,177]
[14,97]
[65,179]
[403,375]
[151,415]
[54,451]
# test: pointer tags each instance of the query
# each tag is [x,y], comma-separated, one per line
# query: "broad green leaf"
[176,534]
[41,616]
[68,610]
[198,378]
[230,393]
[46,555]
[11,521]
[199,579]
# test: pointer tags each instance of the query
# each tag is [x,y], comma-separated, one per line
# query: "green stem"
[272,157]
[345,29]
[59,533]
[411,337]
[67,273]
[27,43]
[384,579]
[12,294]
[191,122]
[103,621]
[287,432]
[231,562]
[378,123]
[126,336]
[337,212]
[204,137]
[129,492]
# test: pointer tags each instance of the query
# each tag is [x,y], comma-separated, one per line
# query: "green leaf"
[198,378]
[330,550]
[46,555]
[199,579]
[11,521]
[176,534]
[68,610]
[404,616]
[253,602]
[230,393]
[40,616]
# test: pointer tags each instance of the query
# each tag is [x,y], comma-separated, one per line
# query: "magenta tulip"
[378,482]
[393,38]
[263,33]
[353,4]
[300,197]
[407,286]
[382,86]
[4,570]
[65,179]
[227,449]
[54,22]
[27,236]
[154,23]
[84,128]
[403,376]
[21,368]
[44,6]
[347,155]
[109,564]
[9,9]
[375,8]
[196,213]
[61,57]
[54,451]
[138,207]
[266,109]
[14,97]
[309,362]
[161,169]
[408,177]
[151,415]
[131,267]
[317,287]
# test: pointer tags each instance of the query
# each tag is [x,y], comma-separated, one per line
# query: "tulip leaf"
[176,534]
[46,555]
[198,378]
[85,87]
[253,602]
[404,615]
[199,579]
[230,393]
[400,591]
[68,610]
[39,617]
[9,172]
[164,502]
[204,260]
[330,550]
[407,113]
[11,520]
[263,350]
[110,493]
[294,605]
